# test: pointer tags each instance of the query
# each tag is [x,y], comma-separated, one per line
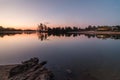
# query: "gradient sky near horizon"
[29,13]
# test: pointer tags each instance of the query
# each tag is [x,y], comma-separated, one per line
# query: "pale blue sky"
[28,13]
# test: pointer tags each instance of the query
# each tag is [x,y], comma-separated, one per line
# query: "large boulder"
[30,70]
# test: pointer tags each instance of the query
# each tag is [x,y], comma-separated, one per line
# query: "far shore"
[97,32]
[16,31]
[78,32]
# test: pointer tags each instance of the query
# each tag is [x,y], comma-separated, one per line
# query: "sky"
[53,13]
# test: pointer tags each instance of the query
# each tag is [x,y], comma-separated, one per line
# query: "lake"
[69,56]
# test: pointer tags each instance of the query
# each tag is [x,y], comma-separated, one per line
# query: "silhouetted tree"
[40,27]
[45,27]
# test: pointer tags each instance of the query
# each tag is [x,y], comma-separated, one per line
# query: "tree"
[45,27]
[40,27]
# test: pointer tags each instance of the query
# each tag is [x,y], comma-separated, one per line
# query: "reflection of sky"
[99,57]
[22,46]
[59,12]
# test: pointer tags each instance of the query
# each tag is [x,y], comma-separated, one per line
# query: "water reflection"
[12,33]
[90,59]
[44,36]
[9,34]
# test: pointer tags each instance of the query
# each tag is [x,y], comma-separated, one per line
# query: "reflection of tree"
[115,36]
[29,32]
[42,36]
[105,36]
[64,34]
[90,35]
[12,33]
[8,34]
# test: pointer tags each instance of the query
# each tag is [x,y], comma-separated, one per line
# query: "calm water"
[89,57]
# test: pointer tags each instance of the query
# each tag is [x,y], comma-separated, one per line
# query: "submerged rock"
[30,70]
[69,71]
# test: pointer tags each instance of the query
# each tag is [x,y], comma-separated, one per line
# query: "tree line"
[44,28]
[9,29]
[13,29]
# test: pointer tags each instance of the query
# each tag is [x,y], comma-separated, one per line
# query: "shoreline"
[97,32]
[4,71]
[31,69]
[4,32]
[78,32]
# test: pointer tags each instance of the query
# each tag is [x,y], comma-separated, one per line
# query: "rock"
[69,71]
[26,65]
[32,61]
[31,70]
[43,63]
[69,75]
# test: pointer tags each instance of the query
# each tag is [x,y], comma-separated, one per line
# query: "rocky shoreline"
[28,70]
